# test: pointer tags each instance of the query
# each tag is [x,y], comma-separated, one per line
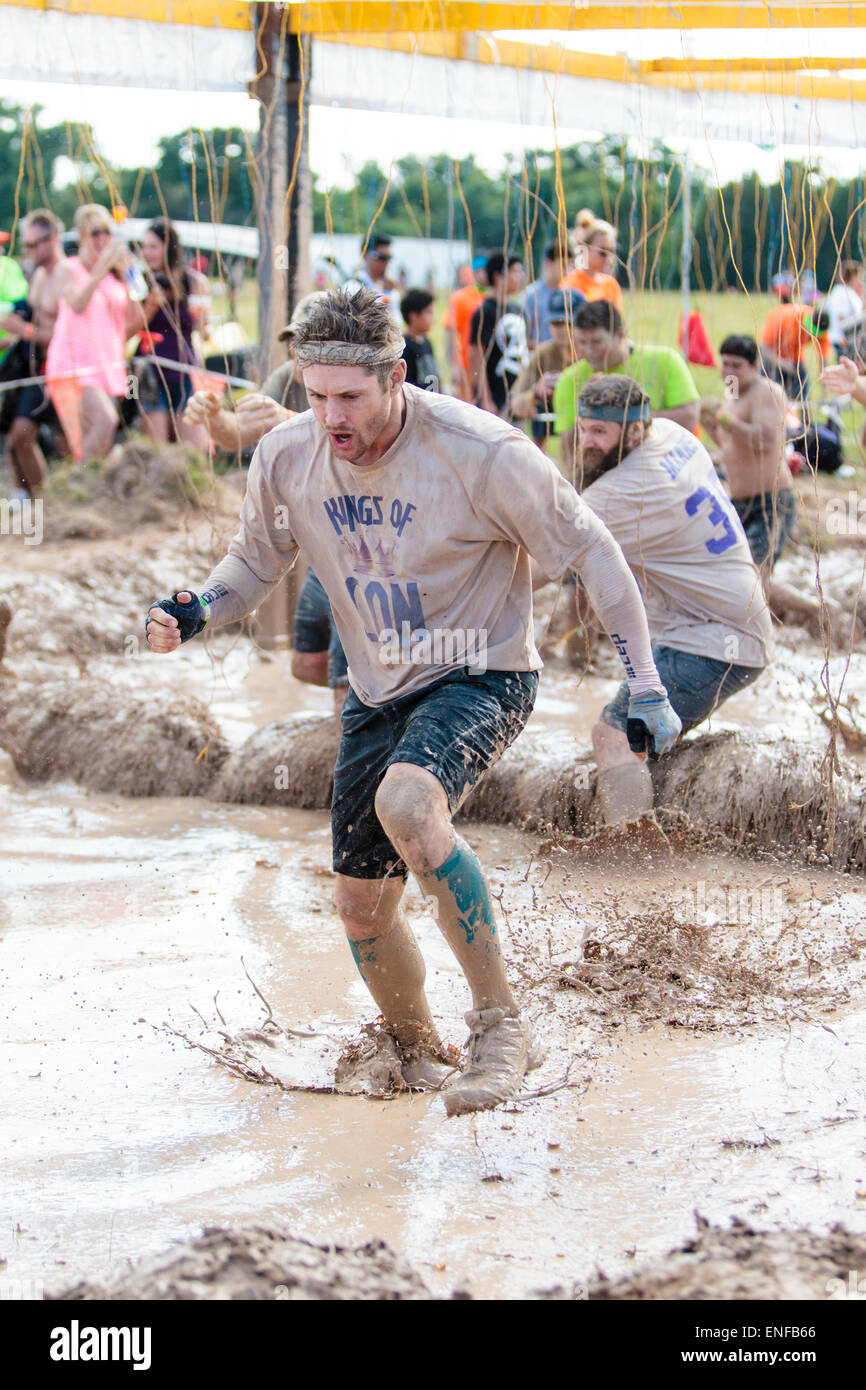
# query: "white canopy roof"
[57,46]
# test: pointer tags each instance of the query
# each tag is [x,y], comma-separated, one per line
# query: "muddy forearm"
[232,591]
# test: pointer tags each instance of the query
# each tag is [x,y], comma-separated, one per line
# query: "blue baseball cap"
[564,304]
[479,262]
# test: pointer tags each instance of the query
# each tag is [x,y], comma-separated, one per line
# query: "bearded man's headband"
[617,414]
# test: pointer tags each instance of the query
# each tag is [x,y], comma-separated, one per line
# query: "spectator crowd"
[524,353]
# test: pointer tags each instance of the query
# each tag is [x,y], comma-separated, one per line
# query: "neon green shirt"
[659,370]
[13,285]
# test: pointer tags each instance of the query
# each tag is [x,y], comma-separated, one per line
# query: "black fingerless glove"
[191,617]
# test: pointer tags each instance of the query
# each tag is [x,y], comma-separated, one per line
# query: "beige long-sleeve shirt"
[686,548]
[424,555]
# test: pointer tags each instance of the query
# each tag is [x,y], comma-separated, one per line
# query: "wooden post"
[272,180]
[285,210]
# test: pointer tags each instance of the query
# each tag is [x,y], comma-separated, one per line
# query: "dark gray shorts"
[314,630]
[768,521]
[456,728]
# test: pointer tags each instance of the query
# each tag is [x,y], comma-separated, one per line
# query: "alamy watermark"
[437,646]
[708,904]
[846,516]
[854,1287]
[22,518]
[84,1343]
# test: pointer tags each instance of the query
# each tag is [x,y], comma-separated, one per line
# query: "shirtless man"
[41,233]
[419,513]
[750,431]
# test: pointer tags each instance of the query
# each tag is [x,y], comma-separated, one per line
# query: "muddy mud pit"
[178,990]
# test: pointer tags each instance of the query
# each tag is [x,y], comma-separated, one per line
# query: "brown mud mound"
[770,793]
[109,740]
[92,607]
[260,1262]
[140,483]
[759,792]
[286,764]
[742,1263]
[541,783]
[76,617]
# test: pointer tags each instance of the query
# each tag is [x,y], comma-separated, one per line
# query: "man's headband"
[334,353]
[618,414]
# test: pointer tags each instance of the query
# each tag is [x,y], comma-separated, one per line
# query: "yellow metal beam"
[699,65]
[205,14]
[426,16]
[333,17]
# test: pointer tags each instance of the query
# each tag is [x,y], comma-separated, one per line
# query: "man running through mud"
[654,486]
[418,513]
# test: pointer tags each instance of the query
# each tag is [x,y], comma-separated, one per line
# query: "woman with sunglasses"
[595,260]
[86,365]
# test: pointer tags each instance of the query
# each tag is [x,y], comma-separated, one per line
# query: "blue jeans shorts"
[456,728]
[314,630]
[696,686]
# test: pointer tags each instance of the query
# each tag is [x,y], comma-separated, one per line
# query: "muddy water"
[118,917]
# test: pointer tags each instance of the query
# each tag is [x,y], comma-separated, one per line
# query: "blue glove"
[653,725]
[191,617]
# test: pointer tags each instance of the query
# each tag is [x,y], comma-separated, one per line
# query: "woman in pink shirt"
[85,364]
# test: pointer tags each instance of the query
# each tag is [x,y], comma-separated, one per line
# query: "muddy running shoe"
[429,1068]
[501,1050]
[428,1073]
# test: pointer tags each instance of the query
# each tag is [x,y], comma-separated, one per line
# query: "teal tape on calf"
[363,953]
[462,873]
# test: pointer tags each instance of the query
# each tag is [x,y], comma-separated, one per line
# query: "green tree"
[199,176]
[28,156]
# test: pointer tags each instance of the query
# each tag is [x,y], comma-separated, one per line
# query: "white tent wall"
[48,46]
[45,45]
[370,79]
